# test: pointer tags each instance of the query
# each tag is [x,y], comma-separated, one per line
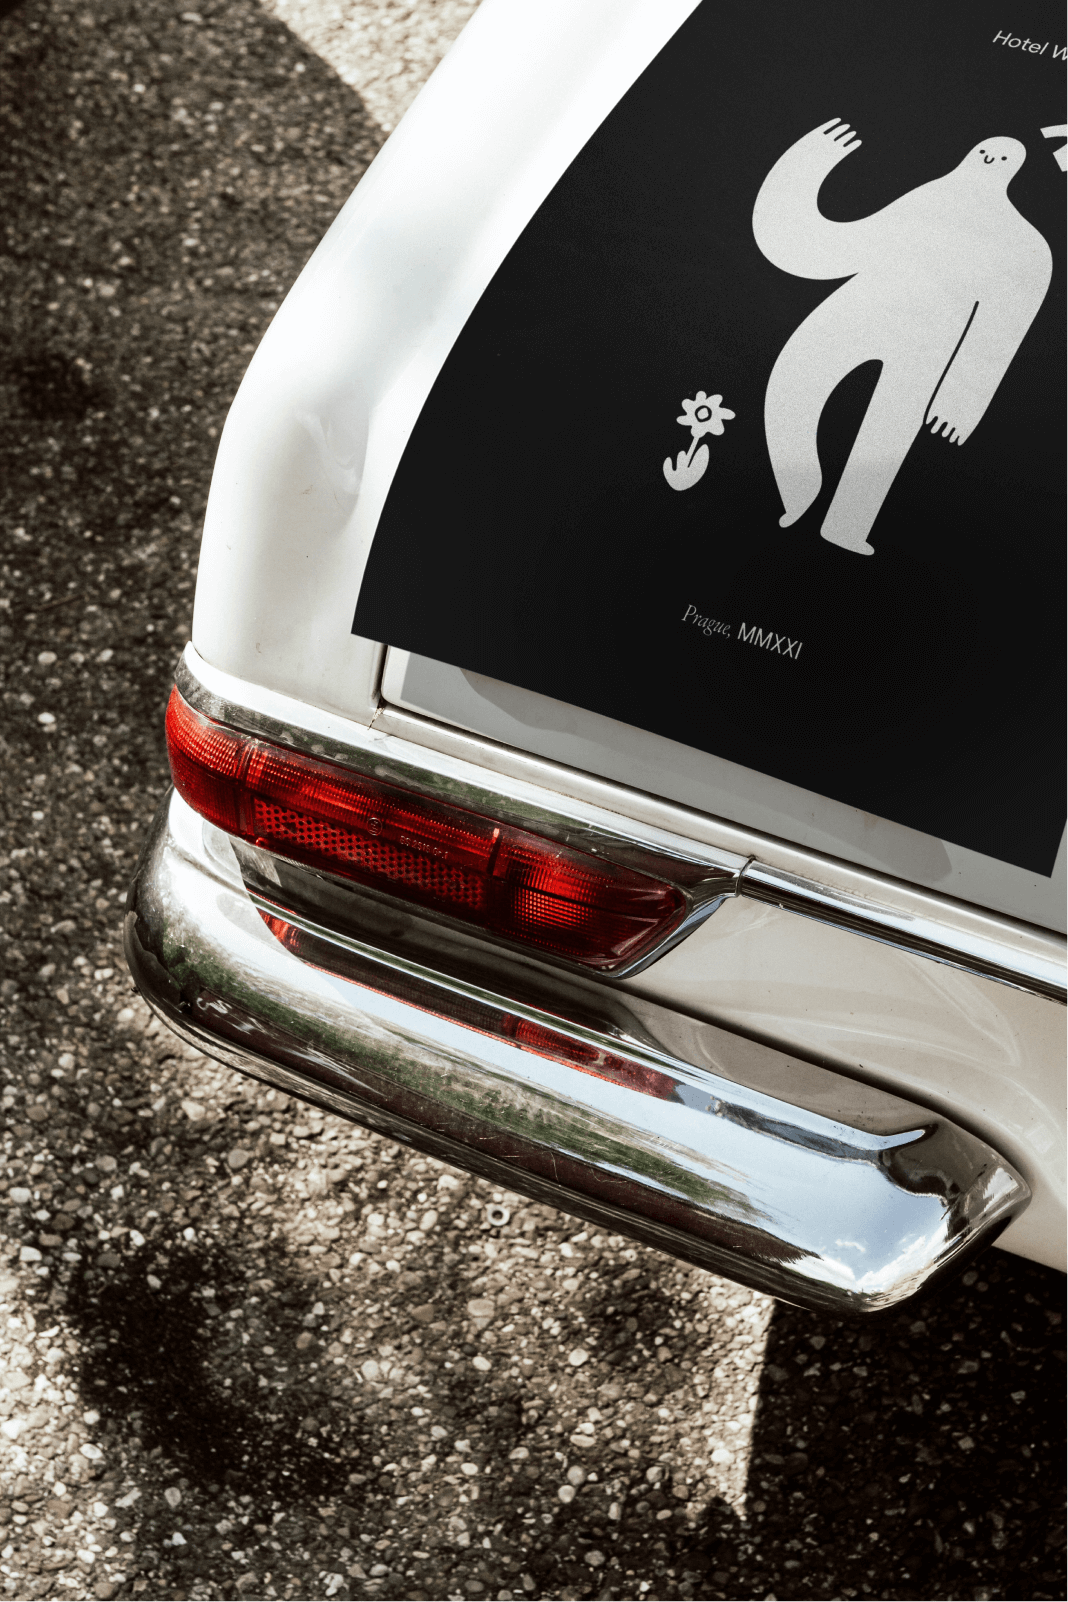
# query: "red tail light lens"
[499,878]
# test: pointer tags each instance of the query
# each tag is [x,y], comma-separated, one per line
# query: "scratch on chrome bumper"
[729,1154]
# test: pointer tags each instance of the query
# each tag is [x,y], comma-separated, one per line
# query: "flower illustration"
[704,415]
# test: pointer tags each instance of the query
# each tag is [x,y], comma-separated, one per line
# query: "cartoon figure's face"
[997,160]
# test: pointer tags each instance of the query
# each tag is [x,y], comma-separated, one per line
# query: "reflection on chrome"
[734,1156]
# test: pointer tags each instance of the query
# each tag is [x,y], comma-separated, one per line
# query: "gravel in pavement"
[384,49]
[247,1350]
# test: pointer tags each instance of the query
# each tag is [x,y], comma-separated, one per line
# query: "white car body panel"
[305,462]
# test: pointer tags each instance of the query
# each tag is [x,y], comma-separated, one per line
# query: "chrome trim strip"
[806,1184]
[986,944]
[1042,973]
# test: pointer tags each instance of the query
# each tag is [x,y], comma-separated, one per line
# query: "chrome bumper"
[730,1154]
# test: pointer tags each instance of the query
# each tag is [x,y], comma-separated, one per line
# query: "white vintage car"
[616,752]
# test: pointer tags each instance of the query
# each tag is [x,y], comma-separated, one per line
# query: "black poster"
[756,438]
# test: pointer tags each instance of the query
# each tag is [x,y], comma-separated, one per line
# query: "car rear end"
[759,1028]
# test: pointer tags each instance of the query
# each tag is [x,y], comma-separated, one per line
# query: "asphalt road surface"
[245,1350]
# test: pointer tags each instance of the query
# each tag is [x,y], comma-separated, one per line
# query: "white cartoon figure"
[943,285]
[703,415]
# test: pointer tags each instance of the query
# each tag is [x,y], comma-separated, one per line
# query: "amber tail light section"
[499,878]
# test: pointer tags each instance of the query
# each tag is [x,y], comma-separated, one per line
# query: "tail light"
[504,880]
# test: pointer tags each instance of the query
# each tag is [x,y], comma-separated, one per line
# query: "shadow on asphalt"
[908,1457]
[936,1432]
[152,1363]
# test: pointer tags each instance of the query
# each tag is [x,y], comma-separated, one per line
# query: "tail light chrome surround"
[570,884]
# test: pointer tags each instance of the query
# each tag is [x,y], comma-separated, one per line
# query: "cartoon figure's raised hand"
[828,144]
[788,225]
